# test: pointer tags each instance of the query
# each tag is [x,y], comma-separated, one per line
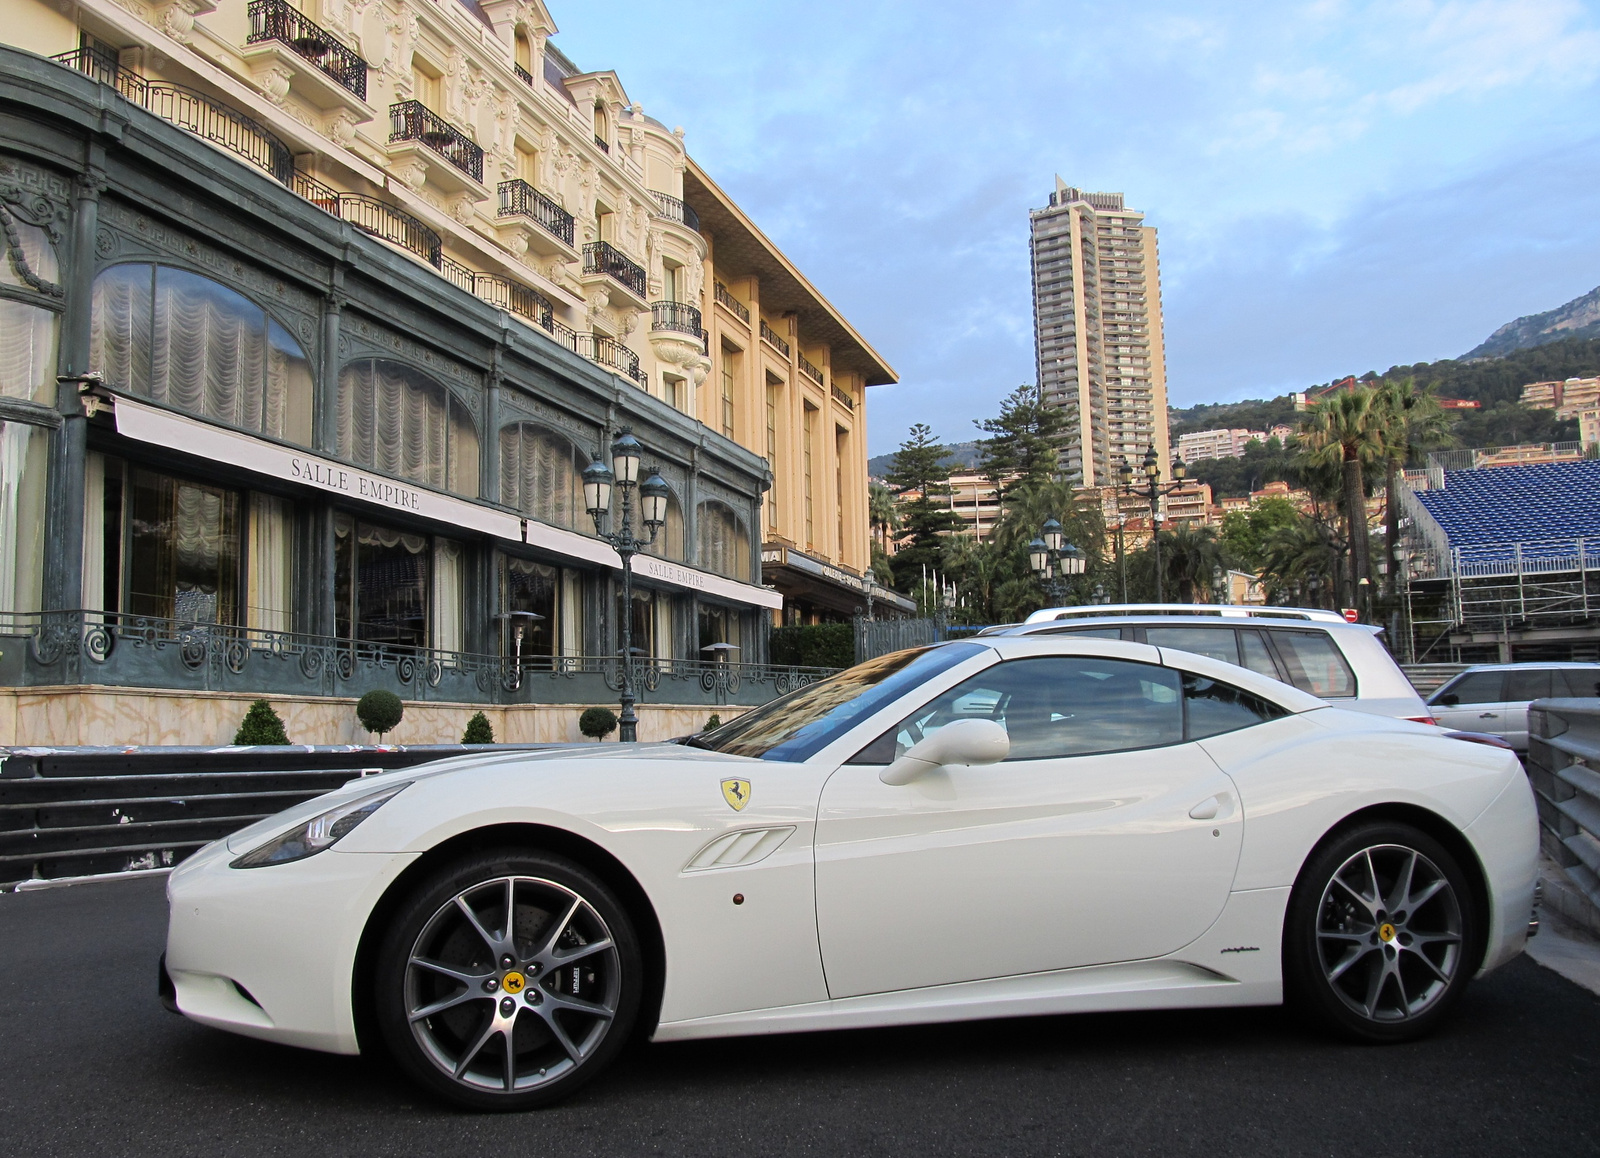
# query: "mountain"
[1579,318]
[956,454]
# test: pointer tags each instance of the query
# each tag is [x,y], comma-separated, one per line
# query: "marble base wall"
[93,715]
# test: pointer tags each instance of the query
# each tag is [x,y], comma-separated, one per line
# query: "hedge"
[814,645]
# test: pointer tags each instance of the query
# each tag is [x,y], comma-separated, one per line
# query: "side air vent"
[746,846]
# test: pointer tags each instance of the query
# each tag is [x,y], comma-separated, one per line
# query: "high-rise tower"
[1097,330]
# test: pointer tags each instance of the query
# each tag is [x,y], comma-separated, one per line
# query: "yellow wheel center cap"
[1385,934]
[515,982]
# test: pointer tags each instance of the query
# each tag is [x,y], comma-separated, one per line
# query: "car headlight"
[320,832]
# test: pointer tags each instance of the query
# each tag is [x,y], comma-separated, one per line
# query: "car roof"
[1208,610]
[1532,663]
[1145,617]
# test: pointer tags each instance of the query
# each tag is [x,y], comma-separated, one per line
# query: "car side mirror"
[961,742]
[1449,699]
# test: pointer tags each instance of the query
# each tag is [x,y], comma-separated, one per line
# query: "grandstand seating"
[1519,504]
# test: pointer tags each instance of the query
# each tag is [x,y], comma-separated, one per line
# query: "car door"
[1523,686]
[1471,702]
[1105,836]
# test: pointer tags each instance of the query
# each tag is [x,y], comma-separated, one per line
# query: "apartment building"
[1098,331]
[311,317]
[1567,398]
[1199,444]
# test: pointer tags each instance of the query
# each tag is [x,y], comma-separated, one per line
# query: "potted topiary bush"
[479,730]
[714,722]
[261,725]
[379,711]
[597,723]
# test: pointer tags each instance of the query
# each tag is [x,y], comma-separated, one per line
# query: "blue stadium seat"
[1518,504]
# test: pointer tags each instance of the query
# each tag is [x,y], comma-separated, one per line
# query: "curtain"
[401,422]
[665,645]
[669,540]
[540,474]
[24,453]
[271,555]
[27,352]
[94,533]
[570,613]
[34,248]
[724,543]
[449,589]
[119,327]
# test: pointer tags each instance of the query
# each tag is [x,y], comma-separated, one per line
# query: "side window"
[1576,681]
[1090,632]
[1216,707]
[1315,664]
[1059,706]
[1216,642]
[1527,684]
[1479,687]
[1256,656]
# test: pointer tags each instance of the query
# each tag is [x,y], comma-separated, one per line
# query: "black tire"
[1371,953]
[488,992]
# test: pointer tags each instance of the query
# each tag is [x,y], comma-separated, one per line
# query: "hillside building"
[1567,398]
[1199,444]
[1098,330]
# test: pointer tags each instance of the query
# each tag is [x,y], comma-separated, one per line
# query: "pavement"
[90,1064]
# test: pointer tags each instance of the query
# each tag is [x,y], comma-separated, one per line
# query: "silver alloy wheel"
[1389,933]
[512,983]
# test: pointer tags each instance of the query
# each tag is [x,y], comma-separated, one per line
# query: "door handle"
[1206,810]
[1488,715]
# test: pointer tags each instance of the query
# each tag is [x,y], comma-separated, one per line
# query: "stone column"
[325,432]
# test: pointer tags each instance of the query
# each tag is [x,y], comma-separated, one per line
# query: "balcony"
[770,336]
[612,353]
[412,123]
[679,317]
[521,205]
[337,74]
[809,370]
[602,259]
[732,304]
[523,75]
[600,143]
[675,209]
[842,398]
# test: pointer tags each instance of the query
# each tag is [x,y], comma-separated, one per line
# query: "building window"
[668,542]
[398,588]
[527,163]
[180,552]
[29,299]
[425,84]
[195,345]
[730,370]
[724,542]
[719,625]
[674,391]
[841,438]
[810,491]
[269,581]
[24,466]
[772,451]
[532,587]
[642,623]
[671,281]
[401,422]
[540,474]
[524,52]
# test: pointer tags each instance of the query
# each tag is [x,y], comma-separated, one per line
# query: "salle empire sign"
[373,490]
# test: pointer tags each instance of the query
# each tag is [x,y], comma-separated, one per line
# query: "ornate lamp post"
[598,481]
[1053,559]
[1153,490]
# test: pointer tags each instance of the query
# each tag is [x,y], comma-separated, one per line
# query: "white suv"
[1313,650]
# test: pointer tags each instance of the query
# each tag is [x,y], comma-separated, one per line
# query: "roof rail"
[1225,610]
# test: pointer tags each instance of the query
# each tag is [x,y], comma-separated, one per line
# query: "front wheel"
[1380,934]
[507,980]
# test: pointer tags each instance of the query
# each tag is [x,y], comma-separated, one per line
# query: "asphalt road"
[91,1064]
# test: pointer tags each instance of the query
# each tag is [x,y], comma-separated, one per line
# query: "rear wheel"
[1380,932]
[508,980]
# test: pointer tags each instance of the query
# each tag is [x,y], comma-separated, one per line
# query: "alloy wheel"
[512,984]
[1389,933]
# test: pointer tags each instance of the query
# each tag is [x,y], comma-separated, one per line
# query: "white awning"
[163,428]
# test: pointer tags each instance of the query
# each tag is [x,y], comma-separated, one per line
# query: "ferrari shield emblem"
[736,793]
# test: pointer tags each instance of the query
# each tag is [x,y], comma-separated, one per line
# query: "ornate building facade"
[312,314]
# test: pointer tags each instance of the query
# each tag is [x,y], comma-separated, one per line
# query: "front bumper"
[270,952]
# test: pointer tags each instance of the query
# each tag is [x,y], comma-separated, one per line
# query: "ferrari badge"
[736,793]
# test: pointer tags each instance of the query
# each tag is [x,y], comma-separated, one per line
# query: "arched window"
[30,298]
[669,540]
[724,542]
[524,52]
[191,343]
[602,134]
[400,421]
[540,475]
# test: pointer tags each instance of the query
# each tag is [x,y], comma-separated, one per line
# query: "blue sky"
[1338,186]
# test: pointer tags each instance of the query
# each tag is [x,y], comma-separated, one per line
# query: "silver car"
[1313,650]
[1494,697]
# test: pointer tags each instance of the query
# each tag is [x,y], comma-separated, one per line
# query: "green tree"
[597,723]
[1245,533]
[1023,445]
[1413,422]
[918,470]
[1348,429]
[261,725]
[380,711]
[1299,563]
[881,512]
[1190,559]
[479,730]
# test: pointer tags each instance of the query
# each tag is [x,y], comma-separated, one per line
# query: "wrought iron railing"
[523,75]
[395,225]
[524,301]
[324,197]
[601,142]
[676,209]
[415,121]
[770,336]
[520,199]
[109,649]
[678,316]
[603,257]
[842,398]
[277,20]
[740,310]
[809,370]
[204,116]
[610,352]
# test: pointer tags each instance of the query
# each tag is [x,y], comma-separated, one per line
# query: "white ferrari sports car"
[978,829]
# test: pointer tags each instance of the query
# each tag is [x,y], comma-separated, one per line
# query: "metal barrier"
[1563,755]
[69,812]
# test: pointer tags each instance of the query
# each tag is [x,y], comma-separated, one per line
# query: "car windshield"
[806,720]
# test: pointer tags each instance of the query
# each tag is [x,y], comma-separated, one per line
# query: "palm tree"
[1298,561]
[1348,429]
[882,513]
[1190,556]
[1413,422]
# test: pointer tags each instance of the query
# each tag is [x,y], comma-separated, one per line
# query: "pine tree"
[261,725]
[918,470]
[1022,449]
[479,730]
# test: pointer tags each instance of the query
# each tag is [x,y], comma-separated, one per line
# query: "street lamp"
[1053,559]
[598,482]
[1153,490]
